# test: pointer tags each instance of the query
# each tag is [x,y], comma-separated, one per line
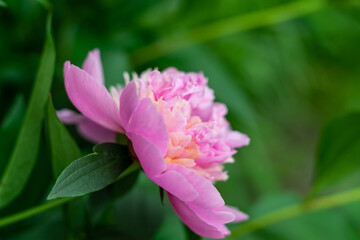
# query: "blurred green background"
[282,80]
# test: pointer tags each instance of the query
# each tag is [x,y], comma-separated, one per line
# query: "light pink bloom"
[179,134]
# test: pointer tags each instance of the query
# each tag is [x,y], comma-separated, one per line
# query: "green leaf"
[9,129]
[92,172]
[339,150]
[26,149]
[64,149]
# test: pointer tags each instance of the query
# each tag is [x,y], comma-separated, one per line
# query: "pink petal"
[95,133]
[214,217]
[129,102]
[236,139]
[193,221]
[148,154]
[91,98]
[92,65]
[209,196]
[149,123]
[175,183]
[70,117]
[154,167]
[239,216]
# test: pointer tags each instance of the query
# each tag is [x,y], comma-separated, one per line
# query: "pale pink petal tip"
[93,66]
[236,139]
[70,117]
[239,216]
[67,65]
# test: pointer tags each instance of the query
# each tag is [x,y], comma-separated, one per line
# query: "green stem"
[33,211]
[132,168]
[54,203]
[289,212]
[226,27]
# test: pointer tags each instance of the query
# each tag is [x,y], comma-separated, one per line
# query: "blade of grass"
[26,149]
[64,149]
[333,200]
[10,128]
[33,211]
[226,27]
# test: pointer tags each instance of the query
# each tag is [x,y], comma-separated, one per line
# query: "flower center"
[182,150]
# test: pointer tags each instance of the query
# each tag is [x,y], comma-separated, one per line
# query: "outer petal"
[236,139]
[148,122]
[68,116]
[91,98]
[193,221]
[87,128]
[214,217]
[130,101]
[92,65]
[239,216]
[176,184]
[209,197]
[95,133]
[148,154]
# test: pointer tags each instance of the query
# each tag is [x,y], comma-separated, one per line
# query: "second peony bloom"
[179,135]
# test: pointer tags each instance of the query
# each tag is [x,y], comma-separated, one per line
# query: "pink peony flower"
[179,134]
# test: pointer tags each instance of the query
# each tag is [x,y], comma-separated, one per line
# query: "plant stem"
[132,168]
[33,211]
[289,212]
[54,203]
[225,27]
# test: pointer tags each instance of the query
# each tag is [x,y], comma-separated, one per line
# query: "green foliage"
[9,129]
[282,68]
[92,172]
[26,149]
[64,149]
[171,227]
[339,150]
[190,235]
[329,225]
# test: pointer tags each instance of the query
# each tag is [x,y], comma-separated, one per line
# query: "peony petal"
[193,221]
[92,65]
[95,133]
[154,167]
[148,154]
[91,98]
[148,122]
[129,102]
[70,117]
[176,184]
[214,217]
[236,139]
[239,216]
[209,196]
